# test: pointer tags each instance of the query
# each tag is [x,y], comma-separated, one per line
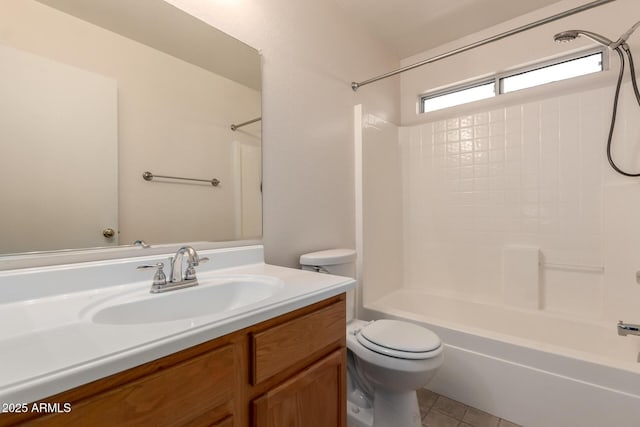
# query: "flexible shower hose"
[624,47]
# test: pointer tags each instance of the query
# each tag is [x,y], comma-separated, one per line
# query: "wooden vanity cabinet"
[312,398]
[315,396]
[286,371]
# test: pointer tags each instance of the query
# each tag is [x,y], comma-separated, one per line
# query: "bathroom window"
[561,69]
[552,73]
[452,97]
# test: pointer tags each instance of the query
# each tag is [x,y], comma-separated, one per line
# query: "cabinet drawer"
[282,346]
[197,391]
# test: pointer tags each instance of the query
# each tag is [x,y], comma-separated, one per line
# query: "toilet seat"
[398,339]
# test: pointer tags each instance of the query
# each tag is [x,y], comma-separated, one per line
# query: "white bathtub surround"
[519,251]
[527,175]
[379,212]
[520,276]
[62,334]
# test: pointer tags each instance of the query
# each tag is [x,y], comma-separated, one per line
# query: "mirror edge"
[35,260]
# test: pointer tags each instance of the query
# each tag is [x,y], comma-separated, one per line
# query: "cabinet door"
[315,397]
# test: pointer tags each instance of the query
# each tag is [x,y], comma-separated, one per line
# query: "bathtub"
[531,367]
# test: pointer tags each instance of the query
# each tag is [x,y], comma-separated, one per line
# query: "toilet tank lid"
[328,257]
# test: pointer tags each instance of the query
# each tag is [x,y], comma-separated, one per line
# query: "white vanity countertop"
[50,343]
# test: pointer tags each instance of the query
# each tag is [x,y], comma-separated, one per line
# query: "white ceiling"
[408,27]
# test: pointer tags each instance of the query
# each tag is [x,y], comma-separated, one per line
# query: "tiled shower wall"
[529,174]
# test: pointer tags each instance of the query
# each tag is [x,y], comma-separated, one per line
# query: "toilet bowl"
[387,360]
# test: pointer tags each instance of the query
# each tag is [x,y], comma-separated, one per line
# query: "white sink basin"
[210,297]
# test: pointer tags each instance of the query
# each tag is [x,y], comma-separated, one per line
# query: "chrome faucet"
[193,260]
[177,280]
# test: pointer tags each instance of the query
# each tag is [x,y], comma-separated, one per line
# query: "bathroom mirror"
[95,93]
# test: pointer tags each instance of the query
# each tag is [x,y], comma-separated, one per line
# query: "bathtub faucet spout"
[625,329]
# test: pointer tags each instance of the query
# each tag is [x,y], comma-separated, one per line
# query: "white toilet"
[388,360]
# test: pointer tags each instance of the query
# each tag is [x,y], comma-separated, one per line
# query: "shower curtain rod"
[239,125]
[356,85]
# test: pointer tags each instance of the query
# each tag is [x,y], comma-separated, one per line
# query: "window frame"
[497,79]
[457,88]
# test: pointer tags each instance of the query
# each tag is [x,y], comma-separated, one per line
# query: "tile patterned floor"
[440,411]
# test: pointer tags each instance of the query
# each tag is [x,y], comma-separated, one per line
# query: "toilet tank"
[341,262]
[333,261]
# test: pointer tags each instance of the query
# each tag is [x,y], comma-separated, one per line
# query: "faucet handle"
[190,273]
[159,278]
[142,244]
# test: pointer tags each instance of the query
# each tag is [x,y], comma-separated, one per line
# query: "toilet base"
[392,409]
[389,410]
[358,416]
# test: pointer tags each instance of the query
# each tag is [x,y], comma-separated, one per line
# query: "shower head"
[567,36]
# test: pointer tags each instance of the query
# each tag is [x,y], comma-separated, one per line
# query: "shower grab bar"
[356,85]
[148,176]
[239,125]
[574,267]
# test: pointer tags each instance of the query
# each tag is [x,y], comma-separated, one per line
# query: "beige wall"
[311,52]
[173,119]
